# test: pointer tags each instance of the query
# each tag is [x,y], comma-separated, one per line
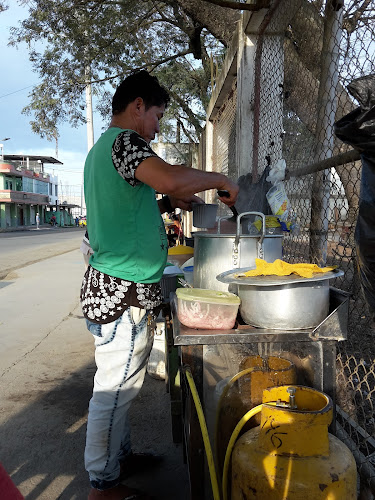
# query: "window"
[40,187]
[27,184]
[9,183]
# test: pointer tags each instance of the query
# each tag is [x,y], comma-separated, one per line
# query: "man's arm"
[169,203]
[181,182]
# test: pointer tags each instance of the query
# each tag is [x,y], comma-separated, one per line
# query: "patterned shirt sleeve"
[128,151]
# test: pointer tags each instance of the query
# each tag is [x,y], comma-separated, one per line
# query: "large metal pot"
[216,253]
[282,302]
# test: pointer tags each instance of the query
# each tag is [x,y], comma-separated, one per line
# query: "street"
[20,248]
[46,371]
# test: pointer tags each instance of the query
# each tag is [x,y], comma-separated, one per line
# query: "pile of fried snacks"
[281,268]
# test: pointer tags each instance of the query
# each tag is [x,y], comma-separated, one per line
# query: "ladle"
[225,194]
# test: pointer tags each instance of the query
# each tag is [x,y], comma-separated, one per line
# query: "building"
[26,189]
[176,153]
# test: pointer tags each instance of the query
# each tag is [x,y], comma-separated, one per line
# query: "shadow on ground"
[42,444]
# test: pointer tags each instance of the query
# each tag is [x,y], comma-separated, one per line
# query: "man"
[37,220]
[120,291]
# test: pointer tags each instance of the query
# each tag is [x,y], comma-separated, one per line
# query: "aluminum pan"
[229,277]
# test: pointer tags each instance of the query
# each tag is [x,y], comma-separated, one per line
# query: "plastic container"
[189,262]
[180,254]
[204,214]
[168,284]
[207,309]
[188,274]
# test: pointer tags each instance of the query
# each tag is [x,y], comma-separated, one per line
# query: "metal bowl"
[281,302]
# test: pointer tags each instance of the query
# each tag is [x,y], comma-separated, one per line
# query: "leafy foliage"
[74,42]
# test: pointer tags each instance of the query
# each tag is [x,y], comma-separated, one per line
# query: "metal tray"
[333,328]
[229,277]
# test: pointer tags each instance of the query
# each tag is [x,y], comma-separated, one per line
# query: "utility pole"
[89,120]
[89,115]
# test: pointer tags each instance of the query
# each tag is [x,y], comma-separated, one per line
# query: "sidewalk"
[46,384]
[31,228]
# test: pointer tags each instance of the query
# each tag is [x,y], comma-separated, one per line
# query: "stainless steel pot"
[282,302]
[216,253]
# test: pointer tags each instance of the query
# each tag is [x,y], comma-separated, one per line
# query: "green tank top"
[125,227]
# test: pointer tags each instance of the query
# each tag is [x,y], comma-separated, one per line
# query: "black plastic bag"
[252,196]
[358,129]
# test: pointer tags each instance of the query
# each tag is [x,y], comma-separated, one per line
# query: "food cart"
[303,356]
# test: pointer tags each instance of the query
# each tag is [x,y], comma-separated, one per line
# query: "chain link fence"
[304,69]
[224,139]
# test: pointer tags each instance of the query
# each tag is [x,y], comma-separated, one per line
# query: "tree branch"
[186,132]
[153,65]
[193,119]
[261,4]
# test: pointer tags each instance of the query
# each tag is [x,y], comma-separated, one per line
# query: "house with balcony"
[26,189]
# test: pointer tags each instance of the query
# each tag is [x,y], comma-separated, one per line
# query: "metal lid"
[206,234]
[207,296]
[230,277]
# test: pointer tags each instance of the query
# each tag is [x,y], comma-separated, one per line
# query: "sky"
[16,82]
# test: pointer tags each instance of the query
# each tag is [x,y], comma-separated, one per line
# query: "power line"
[58,169]
[15,92]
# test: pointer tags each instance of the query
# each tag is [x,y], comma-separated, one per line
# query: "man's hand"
[185,203]
[232,190]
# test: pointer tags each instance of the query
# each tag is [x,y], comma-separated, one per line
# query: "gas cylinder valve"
[292,397]
[292,400]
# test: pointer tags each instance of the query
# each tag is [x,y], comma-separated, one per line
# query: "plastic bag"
[277,172]
[278,201]
[358,129]
[252,196]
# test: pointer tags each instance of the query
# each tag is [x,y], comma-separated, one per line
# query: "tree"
[114,38]
[175,39]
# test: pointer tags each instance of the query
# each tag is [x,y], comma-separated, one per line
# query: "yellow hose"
[206,439]
[232,440]
[222,396]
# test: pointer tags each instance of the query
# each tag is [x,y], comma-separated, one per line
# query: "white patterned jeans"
[121,353]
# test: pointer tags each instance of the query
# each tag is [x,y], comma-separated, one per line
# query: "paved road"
[46,370]
[21,248]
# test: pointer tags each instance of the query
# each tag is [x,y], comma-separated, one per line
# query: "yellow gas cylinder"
[291,455]
[255,374]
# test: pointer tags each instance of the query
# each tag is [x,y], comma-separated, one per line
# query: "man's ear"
[138,102]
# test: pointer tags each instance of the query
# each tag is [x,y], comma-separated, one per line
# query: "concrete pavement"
[46,371]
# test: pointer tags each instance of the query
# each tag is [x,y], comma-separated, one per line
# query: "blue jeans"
[122,349]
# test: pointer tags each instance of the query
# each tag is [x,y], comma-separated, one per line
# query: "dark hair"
[140,84]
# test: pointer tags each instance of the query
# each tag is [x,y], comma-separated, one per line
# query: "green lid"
[209,296]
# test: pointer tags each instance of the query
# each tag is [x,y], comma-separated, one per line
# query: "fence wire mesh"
[305,70]
[224,138]
[325,204]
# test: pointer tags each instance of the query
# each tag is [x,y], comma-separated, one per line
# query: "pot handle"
[224,217]
[260,241]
